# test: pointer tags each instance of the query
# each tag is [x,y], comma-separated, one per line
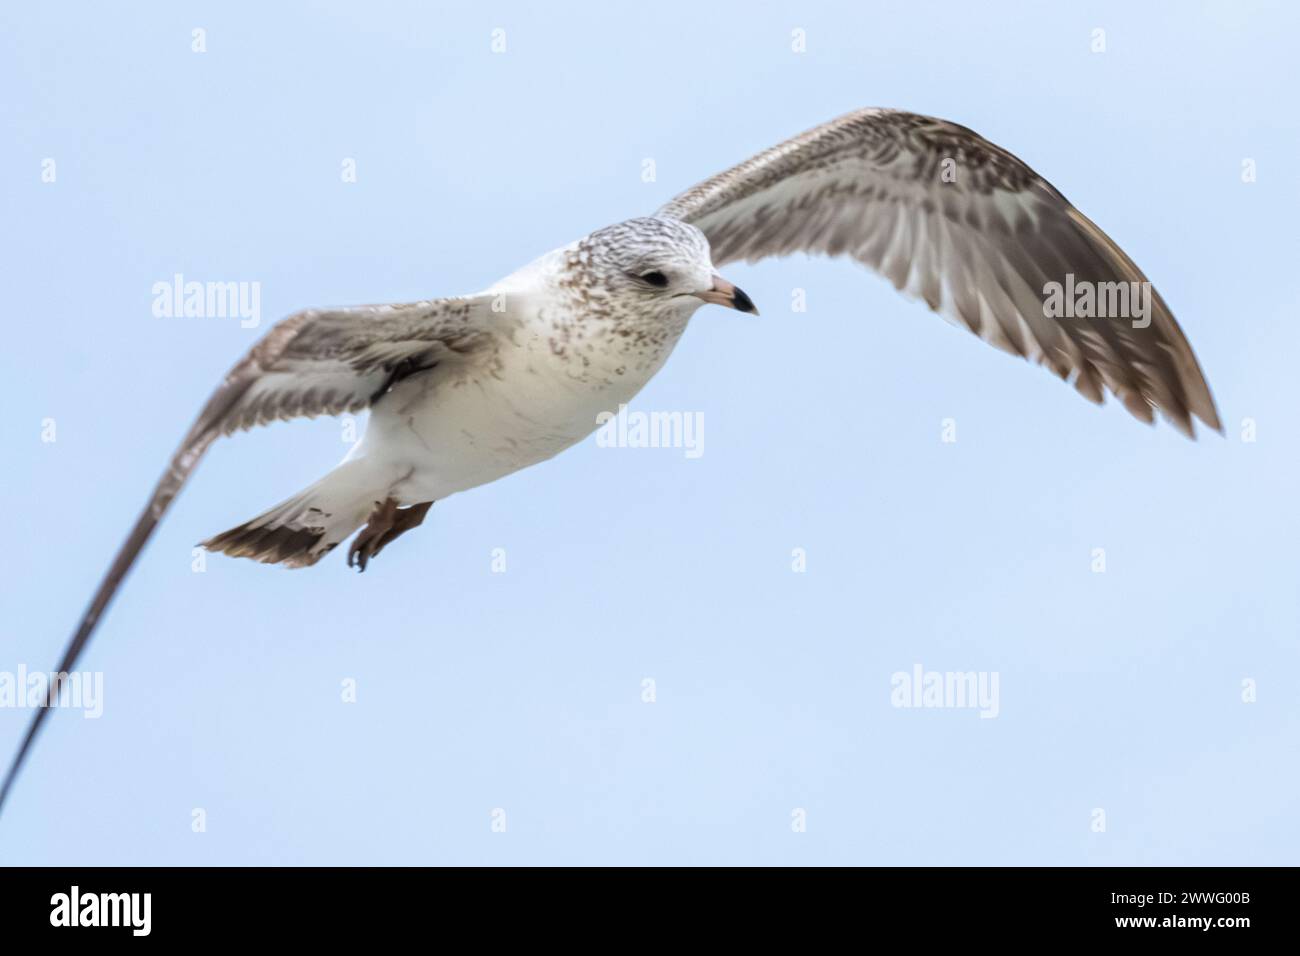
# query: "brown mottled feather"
[317,362]
[977,245]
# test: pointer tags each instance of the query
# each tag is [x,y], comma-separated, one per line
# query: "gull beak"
[724,293]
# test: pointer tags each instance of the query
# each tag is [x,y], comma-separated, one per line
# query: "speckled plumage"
[465,390]
[965,226]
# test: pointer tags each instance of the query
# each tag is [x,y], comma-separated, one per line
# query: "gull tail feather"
[300,531]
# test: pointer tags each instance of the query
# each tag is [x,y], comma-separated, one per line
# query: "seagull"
[463,391]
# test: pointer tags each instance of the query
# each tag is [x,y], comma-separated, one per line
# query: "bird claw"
[367,544]
[387,523]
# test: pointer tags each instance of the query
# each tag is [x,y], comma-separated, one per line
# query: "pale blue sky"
[522,690]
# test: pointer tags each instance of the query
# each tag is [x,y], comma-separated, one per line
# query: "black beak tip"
[744,303]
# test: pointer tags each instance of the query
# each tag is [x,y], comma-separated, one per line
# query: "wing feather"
[317,362]
[960,223]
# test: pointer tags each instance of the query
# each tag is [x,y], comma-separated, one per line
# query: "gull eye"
[656,279]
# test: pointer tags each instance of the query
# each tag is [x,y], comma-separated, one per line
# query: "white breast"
[552,376]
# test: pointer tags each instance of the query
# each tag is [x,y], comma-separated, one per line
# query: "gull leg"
[403,521]
[387,523]
[366,543]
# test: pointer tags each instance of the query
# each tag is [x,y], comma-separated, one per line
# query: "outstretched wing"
[952,219]
[316,362]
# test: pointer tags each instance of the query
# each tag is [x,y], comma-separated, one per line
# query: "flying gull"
[462,391]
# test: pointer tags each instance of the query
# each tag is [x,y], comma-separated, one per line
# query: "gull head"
[659,266]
